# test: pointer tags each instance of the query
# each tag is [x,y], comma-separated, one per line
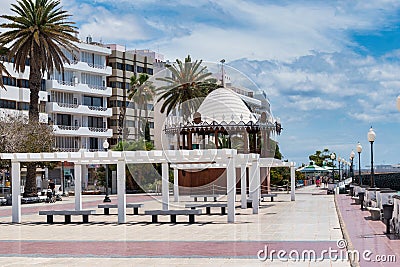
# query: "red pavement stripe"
[156,248]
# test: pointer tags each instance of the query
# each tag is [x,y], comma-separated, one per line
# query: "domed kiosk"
[223,120]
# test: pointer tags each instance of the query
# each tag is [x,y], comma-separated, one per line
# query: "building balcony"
[89,67]
[54,107]
[79,88]
[82,131]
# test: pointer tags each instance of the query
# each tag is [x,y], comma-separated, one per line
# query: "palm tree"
[189,81]
[142,92]
[36,34]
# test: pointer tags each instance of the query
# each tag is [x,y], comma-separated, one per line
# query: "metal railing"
[68,128]
[97,108]
[98,130]
[67,105]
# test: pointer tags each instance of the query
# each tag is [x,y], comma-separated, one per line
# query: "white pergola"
[179,159]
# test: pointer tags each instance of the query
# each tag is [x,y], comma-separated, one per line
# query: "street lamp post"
[333,156]
[339,160]
[371,139]
[222,70]
[343,168]
[106,145]
[359,150]
[352,154]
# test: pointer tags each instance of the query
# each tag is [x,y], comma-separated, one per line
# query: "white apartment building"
[77,99]
[73,102]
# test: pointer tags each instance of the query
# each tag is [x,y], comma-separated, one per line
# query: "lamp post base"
[106,199]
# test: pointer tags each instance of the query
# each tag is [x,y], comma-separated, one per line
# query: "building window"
[116,84]
[129,67]
[8,104]
[92,101]
[43,85]
[95,122]
[150,71]
[113,123]
[130,123]
[151,125]
[64,119]
[9,81]
[140,69]
[93,143]
[120,66]
[24,83]
[23,106]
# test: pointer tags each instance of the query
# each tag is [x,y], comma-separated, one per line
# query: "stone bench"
[195,197]
[268,195]
[208,207]
[172,213]
[375,213]
[67,213]
[107,207]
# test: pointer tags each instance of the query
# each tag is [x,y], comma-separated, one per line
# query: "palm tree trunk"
[35,79]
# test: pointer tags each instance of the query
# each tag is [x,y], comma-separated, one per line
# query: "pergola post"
[121,191]
[292,181]
[78,186]
[165,186]
[254,185]
[176,185]
[243,186]
[16,192]
[231,188]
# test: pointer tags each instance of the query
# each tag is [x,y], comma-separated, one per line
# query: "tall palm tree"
[189,81]
[142,92]
[37,33]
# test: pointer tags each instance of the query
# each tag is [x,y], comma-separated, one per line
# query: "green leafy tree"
[141,93]
[279,175]
[37,33]
[189,81]
[320,157]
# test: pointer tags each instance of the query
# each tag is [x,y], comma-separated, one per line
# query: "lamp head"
[359,147]
[333,156]
[371,135]
[352,154]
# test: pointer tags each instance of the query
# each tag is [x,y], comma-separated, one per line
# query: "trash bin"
[361,197]
[387,215]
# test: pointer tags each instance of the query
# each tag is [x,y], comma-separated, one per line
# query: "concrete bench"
[208,207]
[67,213]
[107,207]
[172,213]
[375,213]
[205,197]
[268,195]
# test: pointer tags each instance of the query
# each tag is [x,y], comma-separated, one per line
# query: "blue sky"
[330,68]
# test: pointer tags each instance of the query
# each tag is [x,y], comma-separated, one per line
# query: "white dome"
[223,104]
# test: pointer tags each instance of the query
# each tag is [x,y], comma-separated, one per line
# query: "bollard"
[361,197]
[387,215]
[351,190]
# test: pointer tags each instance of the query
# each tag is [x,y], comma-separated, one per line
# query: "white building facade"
[77,100]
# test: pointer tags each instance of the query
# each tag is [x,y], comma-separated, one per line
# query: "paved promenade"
[309,223]
[367,235]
